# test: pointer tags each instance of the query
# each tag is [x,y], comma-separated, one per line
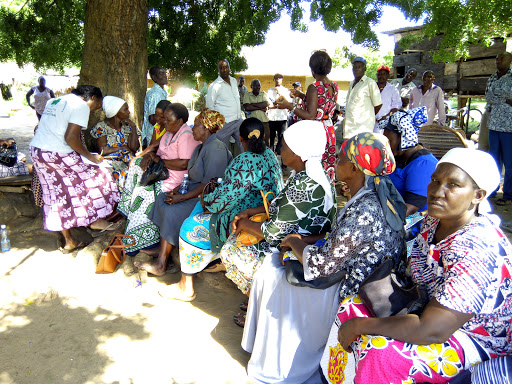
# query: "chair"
[439,140]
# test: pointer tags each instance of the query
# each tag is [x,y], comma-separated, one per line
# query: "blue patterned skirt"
[195,253]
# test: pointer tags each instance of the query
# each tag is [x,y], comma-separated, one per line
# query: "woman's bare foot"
[152,267]
[176,292]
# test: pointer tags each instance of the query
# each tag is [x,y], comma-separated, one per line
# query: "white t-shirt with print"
[53,125]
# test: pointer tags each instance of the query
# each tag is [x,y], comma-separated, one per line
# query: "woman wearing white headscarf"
[117,137]
[305,205]
[464,261]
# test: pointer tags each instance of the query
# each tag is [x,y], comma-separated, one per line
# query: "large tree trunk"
[115,52]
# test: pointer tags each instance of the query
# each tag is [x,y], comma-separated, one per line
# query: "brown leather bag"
[113,254]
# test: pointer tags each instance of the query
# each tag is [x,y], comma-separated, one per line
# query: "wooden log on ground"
[16,180]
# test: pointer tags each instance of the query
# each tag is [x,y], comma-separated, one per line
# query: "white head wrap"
[307,139]
[480,166]
[112,105]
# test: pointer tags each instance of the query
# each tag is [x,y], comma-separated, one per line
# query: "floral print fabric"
[470,272]
[404,363]
[325,111]
[75,194]
[496,94]
[299,208]
[120,160]
[359,242]
[244,178]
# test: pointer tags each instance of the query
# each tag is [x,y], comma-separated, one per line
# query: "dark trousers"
[277,129]
[500,147]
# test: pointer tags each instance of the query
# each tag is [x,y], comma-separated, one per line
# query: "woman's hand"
[347,333]
[7,143]
[145,162]
[235,224]
[287,241]
[284,104]
[129,122]
[174,198]
[95,158]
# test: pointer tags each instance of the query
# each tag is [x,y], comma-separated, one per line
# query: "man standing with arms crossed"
[223,97]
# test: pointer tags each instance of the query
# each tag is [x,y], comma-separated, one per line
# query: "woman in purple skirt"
[76,189]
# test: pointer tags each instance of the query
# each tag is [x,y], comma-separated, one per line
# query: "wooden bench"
[439,140]
[16,184]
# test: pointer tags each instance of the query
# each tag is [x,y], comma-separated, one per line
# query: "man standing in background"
[223,97]
[277,117]
[256,103]
[391,100]
[153,97]
[405,86]
[363,101]
[498,95]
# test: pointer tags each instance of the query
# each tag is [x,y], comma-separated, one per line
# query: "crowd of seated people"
[305,264]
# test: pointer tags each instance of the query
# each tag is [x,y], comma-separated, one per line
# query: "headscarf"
[212,120]
[112,105]
[307,139]
[407,125]
[480,166]
[371,153]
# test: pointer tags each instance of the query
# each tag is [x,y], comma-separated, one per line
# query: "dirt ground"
[62,323]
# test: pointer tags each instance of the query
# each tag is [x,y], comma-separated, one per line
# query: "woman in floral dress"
[464,260]
[319,104]
[117,137]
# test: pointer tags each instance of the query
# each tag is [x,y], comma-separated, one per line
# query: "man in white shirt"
[363,101]
[405,86]
[391,100]
[277,117]
[431,96]
[223,97]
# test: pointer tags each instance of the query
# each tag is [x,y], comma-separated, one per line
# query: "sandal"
[244,305]
[80,246]
[239,319]
[503,202]
[99,232]
[173,292]
[217,267]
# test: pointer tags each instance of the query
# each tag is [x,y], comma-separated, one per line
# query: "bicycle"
[469,121]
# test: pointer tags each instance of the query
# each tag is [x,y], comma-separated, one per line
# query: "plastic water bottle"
[184,185]
[4,239]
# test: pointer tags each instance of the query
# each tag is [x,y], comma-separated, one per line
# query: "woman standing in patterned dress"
[319,104]
[117,137]
[205,231]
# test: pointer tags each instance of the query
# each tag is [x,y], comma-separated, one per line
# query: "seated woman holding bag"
[117,137]
[205,231]
[306,205]
[287,325]
[464,260]
[209,160]
[175,149]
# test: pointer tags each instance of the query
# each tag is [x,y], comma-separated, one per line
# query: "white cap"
[3,226]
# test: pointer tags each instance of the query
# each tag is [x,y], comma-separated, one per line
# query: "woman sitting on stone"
[464,260]
[306,206]
[287,326]
[116,137]
[205,231]
[174,148]
[209,160]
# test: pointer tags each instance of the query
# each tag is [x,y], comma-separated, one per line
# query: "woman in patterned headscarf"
[414,164]
[287,326]
[209,160]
